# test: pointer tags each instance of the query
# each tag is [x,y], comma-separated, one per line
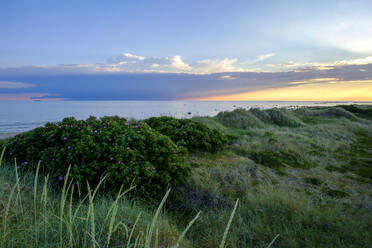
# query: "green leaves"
[124,152]
[195,136]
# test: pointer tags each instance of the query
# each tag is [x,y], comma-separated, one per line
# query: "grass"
[302,178]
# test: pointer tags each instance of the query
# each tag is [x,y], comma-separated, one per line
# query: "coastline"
[7,135]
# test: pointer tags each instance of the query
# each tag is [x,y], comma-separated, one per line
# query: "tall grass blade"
[35,203]
[2,155]
[133,228]
[180,238]
[272,241]
[62,207]
[7,212]
[154,220]
[222,245]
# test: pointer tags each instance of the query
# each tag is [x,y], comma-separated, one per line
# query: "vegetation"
[302,177]
[195,136]
[126,153]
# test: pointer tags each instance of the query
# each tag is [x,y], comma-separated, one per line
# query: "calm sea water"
[19,116]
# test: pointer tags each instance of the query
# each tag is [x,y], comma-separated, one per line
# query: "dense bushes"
[195,136]
[125,152]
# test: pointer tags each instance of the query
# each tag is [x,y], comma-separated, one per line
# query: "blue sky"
[44,43]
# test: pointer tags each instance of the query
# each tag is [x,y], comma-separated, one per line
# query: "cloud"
[229,77]
[325,65]
[29,97]
[259,59]
[14,85]
[129,63]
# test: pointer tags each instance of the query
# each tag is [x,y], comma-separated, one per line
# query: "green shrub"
[239,118]
[195,136]
[125,152]
[362,111]
[284,118]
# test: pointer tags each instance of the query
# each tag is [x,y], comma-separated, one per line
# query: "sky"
[306,50]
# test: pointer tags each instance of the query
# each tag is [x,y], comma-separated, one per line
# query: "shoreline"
[7,135]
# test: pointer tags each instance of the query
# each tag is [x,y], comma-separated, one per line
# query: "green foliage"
[239,118]
[195,136]
[335,193]
[284,118]
[361,111]
[313,180]
[124,152]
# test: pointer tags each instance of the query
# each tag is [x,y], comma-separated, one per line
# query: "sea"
[20,116]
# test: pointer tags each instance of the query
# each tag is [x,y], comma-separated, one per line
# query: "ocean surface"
[20,116]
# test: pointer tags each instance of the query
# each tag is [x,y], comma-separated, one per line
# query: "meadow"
[280,177]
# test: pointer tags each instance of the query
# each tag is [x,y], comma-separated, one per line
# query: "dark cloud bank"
[164,86]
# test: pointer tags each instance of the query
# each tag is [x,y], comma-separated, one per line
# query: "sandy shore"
[6,135]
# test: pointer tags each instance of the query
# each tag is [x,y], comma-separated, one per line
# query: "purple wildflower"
[18,167]
[111,158]
[69,147]
[10,153]
[110,139]
[75,165]
[136,126]
[65,138]
[53,159]
[26,162]
[60,178]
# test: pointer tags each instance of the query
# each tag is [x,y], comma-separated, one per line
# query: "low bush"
[239,118]
[195,136]
[124,152]
[284,118]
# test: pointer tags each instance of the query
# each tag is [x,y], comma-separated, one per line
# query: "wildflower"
[60,178]
[95,131]
[18,167]
[65,138]
[75,165]
[59,127]
[111,158]
[69,147]
[26,162]
[91,131]
[69,154]
[110,139]
[136,126]
[10,153]
[53,159]
[104,127]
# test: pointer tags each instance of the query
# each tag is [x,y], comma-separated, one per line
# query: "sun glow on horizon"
[360,90]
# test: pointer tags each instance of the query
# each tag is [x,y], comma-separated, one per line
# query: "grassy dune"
[303,178]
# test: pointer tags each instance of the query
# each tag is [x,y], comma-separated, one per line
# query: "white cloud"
[325,65]
[14,85]
[214,66]
[229,77]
